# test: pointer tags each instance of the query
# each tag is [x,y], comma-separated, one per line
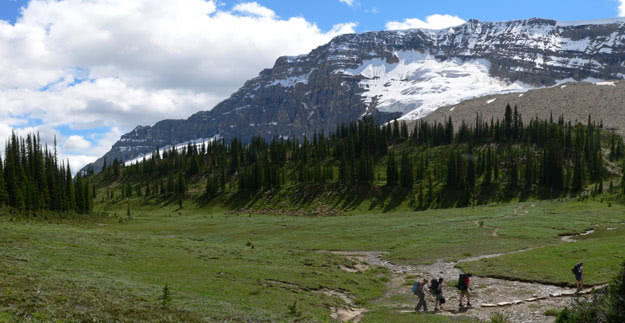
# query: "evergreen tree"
[407,175]
[392,175]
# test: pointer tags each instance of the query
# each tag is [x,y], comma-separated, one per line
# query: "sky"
[88,71]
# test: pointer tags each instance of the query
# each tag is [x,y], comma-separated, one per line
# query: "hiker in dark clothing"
[463,286]
[419,291]
[578,270]
[437,290]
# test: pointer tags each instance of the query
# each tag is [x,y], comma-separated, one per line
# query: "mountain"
[391,74]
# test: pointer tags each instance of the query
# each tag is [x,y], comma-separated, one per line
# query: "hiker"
[463,285]
[437,289]
[418,290]
[578,270]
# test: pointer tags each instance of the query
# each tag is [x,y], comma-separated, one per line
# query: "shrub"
[608,307]
[499,318]
[165,298]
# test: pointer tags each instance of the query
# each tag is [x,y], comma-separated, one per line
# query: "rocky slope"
[392,74]
[603,101]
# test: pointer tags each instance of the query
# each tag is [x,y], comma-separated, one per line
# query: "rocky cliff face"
[392,74]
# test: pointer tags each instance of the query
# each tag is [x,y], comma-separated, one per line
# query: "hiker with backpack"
[419,291]
[463,285]
[578,271]
[436,287]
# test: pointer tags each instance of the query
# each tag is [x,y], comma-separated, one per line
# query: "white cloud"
[253,8]
[76,143]
[348,2]
[119,63]
[621,8]
[431,22]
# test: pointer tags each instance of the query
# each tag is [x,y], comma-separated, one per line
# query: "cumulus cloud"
[76,143]
[621,8]
[430,22]
[116,64]
[348,2]
[254,8]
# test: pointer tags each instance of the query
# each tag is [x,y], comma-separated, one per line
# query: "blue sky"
[373,14]
[328,12]
[89,71]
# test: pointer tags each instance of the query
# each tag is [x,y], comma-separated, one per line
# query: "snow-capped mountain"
[391,74]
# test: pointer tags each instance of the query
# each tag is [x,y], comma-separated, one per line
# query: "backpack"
[434,286]
[575,269]
[462,282]
[415,287]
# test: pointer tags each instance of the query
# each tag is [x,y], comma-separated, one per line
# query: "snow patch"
[491,101]
[606,83]
[591,80]
[179,147]
[419,83]
[292,81]
[567,80]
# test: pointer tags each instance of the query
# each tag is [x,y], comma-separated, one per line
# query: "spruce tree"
[391,170]
[3,193]
[407,175]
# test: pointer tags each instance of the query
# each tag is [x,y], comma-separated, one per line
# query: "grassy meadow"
[223,266]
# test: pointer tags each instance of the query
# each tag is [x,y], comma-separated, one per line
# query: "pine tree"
[470,174]
[407,175]
[3,193]
[212,187]
[391,170]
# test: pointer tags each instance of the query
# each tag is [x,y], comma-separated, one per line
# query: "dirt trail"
[520,302]
[571,237]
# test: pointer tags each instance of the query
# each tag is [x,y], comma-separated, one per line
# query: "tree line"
[435,160]
[33,179]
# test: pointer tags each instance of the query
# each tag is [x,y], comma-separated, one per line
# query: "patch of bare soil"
[350,313]
[571,237]
[519,301]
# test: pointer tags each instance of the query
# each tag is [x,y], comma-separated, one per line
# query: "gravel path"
[518,301]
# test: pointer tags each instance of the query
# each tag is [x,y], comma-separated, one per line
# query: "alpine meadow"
[433,169]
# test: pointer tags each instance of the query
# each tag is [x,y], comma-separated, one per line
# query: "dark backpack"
[462,282]
[434,286]
[575,269]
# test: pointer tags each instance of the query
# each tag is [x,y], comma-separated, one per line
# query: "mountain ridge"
[391,74]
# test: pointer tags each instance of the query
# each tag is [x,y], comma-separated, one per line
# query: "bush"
[552,312]
[293,310]
[608,308]
[616,297]
[165,298]
[499,318]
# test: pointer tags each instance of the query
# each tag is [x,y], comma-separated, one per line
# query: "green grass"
[386,315]
[601,253]
[239,267]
